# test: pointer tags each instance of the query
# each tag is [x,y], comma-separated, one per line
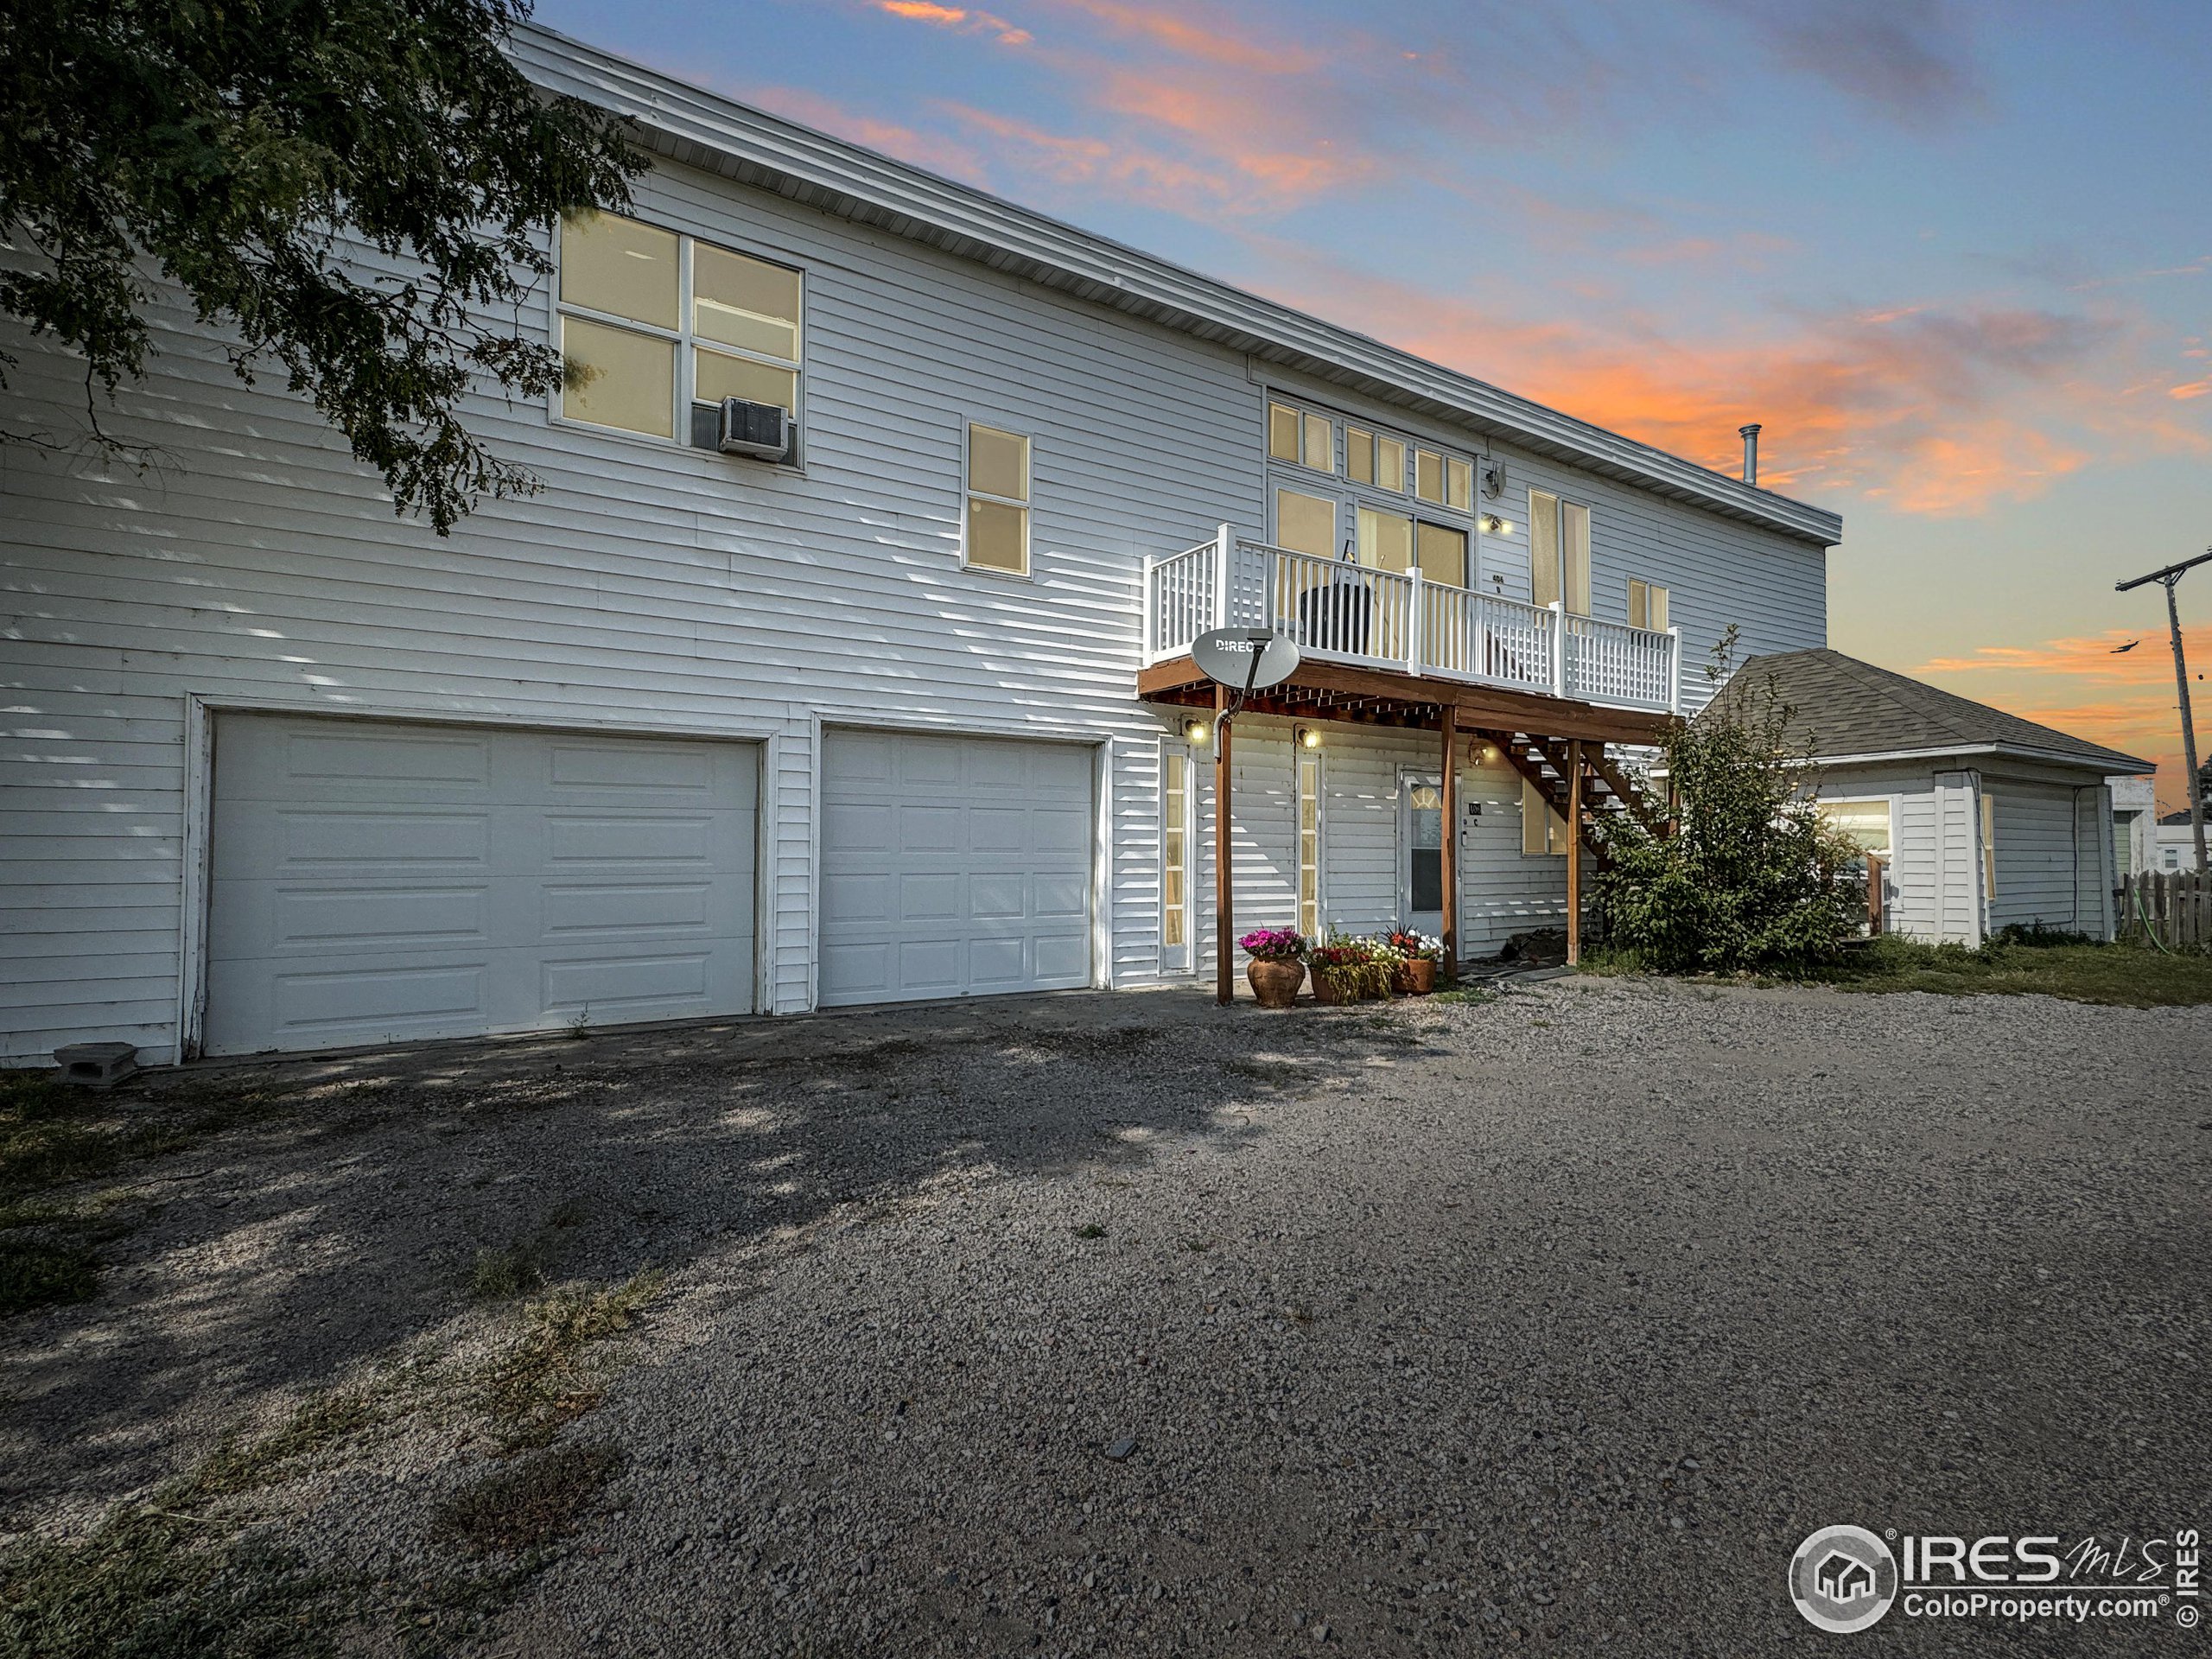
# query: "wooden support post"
[1224,876]
[1450,860]
[1874,895]
[1573,851]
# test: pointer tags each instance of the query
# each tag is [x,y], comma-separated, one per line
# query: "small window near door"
[1543,831]
[1647,607]
[1175,855]
[1309,843]
[998,501]
[1867,824]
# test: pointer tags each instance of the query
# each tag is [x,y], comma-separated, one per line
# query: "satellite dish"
[1244,659]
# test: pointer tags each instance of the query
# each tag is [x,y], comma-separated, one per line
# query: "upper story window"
[1559,552]
[658,327]
[998,501]
[1397,503]
[1647,606]
[1301,437]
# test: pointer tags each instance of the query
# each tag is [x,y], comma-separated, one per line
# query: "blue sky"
[1957,259]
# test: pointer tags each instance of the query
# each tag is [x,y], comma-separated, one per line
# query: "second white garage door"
[953,866]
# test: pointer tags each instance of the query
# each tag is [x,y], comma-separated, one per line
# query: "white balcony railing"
[1340,611]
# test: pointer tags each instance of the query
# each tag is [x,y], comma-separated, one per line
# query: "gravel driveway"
[1119,1325]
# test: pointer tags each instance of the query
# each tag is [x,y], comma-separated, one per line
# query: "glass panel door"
[1420,835]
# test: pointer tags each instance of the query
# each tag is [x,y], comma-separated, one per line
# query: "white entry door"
[953,866]
[379,881]
[1420,852]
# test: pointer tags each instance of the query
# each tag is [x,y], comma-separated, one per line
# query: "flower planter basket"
[1275,981]
[1413,978]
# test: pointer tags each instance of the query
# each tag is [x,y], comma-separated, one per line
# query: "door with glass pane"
[1420,852]
[1176,922]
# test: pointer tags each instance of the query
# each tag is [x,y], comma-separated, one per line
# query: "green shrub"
[1753,877]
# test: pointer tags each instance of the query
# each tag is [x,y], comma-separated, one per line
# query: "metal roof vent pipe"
[1750,436]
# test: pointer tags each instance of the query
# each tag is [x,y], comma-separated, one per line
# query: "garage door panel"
[930,898]
[611,874]
[975,838]
[1060,897]
[1063,958]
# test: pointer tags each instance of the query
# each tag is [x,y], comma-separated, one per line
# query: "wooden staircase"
[1548,764]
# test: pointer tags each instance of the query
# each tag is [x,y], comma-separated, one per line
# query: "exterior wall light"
[1197,731]
[1309,737]
[1487,755]
[1494,525]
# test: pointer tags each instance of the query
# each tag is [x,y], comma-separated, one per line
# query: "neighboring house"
[2174,845]
[1982,820]
[2134,825]
[901,714]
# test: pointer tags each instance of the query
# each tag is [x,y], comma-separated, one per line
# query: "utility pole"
[2168,579]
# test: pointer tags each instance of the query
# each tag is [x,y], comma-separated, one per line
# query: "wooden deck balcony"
[1398,624]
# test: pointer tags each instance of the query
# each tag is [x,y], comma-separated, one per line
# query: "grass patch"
[543,1381]
[2022,962]
[40,1273]
[2120,975]
[1470,994]
[529,1503]
[511,1270]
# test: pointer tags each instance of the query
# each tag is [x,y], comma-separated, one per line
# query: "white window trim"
[1013,430]
[683,339]
[1409,779]
[1179,958]
[1628,589]
[1562,502]
[1299,759]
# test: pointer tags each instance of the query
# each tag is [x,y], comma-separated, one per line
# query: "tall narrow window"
[1175,856]
[1543,831]
[1428,476]
[1647,606]
[1359,455]
[639,360]
[998,501]
[1309,842]
[1559,552]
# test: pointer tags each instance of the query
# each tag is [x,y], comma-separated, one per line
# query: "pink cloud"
[966,19]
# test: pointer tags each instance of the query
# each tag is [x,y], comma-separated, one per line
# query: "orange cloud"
[2194,389]
[1924,408]
[2081,685]
[1174,29]
[964,18]
[941,154]
[1132,171]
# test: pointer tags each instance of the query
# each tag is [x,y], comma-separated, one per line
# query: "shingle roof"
[1841,706]
[2177,818]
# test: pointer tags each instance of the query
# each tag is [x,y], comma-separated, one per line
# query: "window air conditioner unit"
[761,430]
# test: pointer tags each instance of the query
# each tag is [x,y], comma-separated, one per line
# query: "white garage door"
[953,866]
[376,882]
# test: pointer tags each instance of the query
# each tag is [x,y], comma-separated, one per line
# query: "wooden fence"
[2173,909]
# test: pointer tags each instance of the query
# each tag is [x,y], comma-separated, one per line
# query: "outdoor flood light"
[1494,525]
[1197,731]
[1309,737]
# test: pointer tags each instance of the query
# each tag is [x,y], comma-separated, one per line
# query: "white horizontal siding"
[658,589]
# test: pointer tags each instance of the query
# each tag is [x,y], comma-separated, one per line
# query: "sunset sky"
[1957,259]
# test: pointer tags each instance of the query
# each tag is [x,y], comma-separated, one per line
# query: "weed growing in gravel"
[542,1382]
[526,1504]
[1091,1230]
[511,1270]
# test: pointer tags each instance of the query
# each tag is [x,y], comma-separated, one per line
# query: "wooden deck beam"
[1376,697]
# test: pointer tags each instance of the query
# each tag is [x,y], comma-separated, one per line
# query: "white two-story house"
[907,712]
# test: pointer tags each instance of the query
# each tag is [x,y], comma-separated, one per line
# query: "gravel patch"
[1118,1323]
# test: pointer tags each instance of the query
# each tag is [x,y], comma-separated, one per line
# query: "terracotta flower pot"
[1327,988]
[1416,978]
[1275,982]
